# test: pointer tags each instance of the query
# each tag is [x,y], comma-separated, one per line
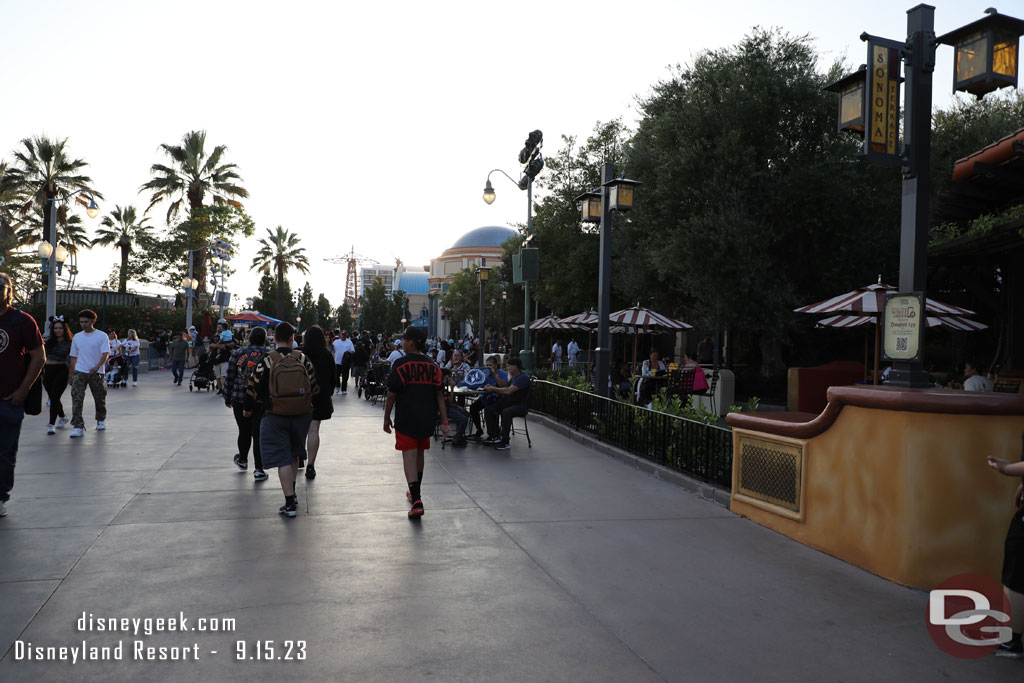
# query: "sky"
[372,125]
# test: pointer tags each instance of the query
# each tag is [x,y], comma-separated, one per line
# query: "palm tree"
[280,252]
[123,229]
[44,172]
[192,175]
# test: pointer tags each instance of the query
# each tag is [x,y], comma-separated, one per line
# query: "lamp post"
[985,60]
[103,309]
[482,274]
[189,284]
[51,281]
[504,310]
[616,194]
[533,161]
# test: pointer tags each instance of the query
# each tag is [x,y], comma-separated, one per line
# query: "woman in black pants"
[242,362]
[314,345]
[55,372]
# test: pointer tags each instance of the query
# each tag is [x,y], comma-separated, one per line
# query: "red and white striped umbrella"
[587,318]
[871,300]
[645,319]
[953,322]
[550,322]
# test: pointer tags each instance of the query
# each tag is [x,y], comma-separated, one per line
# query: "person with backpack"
[240,366]
[285,384]
[21,360]
[415,388]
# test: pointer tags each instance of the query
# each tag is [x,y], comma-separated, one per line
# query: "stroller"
[375,382]
[117,375]
[203,377]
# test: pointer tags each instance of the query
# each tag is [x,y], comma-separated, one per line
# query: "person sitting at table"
[645,388]
[623,386]
[458,366]
[496,378]
[973,380]
[700,380]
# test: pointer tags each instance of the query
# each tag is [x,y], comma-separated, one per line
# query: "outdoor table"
[463,394]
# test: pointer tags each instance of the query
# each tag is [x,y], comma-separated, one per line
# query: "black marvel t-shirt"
[416,380]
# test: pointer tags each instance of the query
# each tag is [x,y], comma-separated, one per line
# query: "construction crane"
[351,276]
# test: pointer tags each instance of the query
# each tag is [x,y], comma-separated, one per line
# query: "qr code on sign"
[901,343]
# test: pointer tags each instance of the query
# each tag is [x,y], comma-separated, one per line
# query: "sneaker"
[459,444]
[344,393]
[503,446]
[416,510]
[1011,649]
[241,464]
[288,510]
[259,475]
[359,392]
[310,472]
[3,509]
[50,429]
[100,425]
[491,441]
[77,431]
[61,421]
[476,437]
[135,384]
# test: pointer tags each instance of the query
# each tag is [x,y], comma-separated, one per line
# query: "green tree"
[374,308]
[280,252]
[323,312]
[462,300]
[307,307]
[266,301]
[753,204]
[43,172]
[123,229]
[345,317]
[190,177]
[398,308]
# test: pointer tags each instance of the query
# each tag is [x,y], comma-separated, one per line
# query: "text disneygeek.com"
[138,649]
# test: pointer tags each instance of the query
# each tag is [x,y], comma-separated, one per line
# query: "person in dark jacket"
[240,365]
[314,345]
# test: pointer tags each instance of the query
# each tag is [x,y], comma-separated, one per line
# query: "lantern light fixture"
[987,51]
[851,99]
[620,194]
[590,206]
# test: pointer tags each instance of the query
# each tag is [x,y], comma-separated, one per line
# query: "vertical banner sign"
[884,101]
[903,322]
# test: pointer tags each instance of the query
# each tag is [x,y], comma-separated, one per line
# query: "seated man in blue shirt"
[498,378]
[511,403]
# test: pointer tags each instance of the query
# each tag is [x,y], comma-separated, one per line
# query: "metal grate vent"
[770,472]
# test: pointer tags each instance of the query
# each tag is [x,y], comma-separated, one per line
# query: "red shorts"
[407,443]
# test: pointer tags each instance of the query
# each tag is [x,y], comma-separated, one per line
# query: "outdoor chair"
[526,426]
[712,383]
[680,382]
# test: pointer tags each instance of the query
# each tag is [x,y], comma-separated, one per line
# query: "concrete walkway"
[547,564]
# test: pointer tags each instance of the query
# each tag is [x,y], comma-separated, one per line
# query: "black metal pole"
[917,125]
[482,333]
[604,289]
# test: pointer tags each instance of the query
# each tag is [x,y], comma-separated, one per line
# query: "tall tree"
[374,308]
[462,300]
[123,228]
[266,300]
[44,171]
[191,176]
[307,307]
[752,202]
[323,312]
[279,251]
[345,317]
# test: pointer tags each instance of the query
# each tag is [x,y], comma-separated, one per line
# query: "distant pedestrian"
[573,350]
[285,384]
[132,353]
[360,361]
[55,373]
[706,351]
[343,350]
[415,392]
[90,349]
[21,342]
[556,356]
[314,345]
[159,343]
[243,361]
[179,352]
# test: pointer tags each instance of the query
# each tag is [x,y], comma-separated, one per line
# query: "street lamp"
[189,284]
[525,262]
[616,194]
[103,313]
[51,281]
[986,59]
[483,274]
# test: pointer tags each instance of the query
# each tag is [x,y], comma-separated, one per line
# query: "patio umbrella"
[867,303]
[640,319]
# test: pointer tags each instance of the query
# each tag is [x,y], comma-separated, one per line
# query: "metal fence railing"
[699,450]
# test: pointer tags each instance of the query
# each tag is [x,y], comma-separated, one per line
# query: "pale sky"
[371,124]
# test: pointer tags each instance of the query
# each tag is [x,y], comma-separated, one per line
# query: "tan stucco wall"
[906,495]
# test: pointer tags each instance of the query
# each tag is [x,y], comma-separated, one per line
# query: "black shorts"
[1013,554]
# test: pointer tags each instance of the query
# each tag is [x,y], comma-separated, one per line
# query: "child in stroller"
[203,377]
[117,375]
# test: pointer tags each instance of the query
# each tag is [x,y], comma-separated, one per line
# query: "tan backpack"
[290,390]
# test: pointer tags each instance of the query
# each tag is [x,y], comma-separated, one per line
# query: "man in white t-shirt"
[89,351]
[556,356]
[343,350]
[975,380]
[573,350]
[397,353]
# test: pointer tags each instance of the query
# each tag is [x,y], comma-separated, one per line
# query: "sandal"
[416,510]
